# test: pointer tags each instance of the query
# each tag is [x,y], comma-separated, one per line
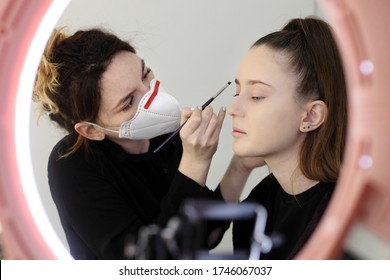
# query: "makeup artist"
[103,175]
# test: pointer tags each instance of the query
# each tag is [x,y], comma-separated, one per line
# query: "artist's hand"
[200,136]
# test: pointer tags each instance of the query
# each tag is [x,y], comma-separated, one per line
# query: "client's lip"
[238,131]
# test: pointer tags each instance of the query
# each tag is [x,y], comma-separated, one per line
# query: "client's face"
[265,115]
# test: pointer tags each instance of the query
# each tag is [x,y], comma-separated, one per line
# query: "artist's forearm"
[196,170]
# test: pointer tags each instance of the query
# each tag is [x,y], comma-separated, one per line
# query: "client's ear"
[90,131]
[315,115]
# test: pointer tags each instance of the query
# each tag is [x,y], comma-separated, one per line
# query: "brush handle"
[180,127]
[170,137]
[207,103]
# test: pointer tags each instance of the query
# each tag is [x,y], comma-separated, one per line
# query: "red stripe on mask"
[155,91]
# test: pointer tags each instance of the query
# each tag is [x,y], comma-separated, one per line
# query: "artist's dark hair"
[67,85]
[313,56]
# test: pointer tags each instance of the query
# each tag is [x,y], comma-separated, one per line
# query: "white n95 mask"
[158,113]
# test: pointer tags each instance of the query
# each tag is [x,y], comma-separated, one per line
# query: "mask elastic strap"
[104,128]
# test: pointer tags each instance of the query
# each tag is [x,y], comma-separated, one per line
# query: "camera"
[199,224]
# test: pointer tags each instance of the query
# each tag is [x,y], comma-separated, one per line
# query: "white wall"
[193,47]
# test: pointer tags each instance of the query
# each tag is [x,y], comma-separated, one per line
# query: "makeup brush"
[180,127]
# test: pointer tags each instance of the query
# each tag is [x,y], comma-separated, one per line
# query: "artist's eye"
[128,104]
[147,72]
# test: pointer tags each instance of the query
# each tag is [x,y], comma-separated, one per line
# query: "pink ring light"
[21,21]
[363,192]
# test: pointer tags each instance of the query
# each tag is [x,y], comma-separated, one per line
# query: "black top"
[292,218]
[105,198]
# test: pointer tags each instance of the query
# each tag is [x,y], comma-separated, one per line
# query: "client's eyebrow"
[253,82]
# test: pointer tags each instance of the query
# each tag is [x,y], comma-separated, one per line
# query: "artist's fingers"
[195,128]
[193,118]
[214,127]
[207,114]
[186,113]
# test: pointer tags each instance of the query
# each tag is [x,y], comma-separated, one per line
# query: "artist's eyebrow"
[128,96]
[253,82]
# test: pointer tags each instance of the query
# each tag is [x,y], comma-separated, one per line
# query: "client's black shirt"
[290,218]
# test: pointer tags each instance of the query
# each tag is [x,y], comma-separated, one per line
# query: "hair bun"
[46,83]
